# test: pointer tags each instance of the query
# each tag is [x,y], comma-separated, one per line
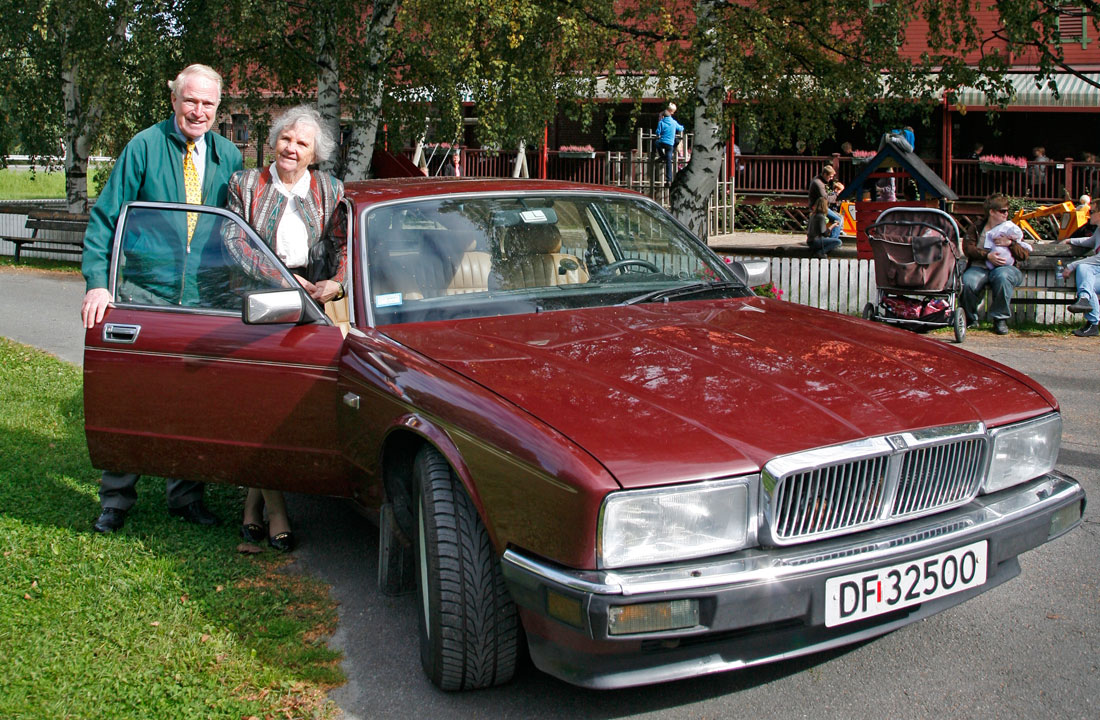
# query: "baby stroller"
[917,270]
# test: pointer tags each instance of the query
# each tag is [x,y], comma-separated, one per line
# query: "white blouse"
[292,236]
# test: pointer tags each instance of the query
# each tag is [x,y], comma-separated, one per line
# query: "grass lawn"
[20,184]
[160,620]
[33,263]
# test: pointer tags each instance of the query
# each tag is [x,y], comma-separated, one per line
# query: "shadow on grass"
[46,480]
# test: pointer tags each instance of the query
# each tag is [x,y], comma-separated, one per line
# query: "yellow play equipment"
[1073,218]
[848,219]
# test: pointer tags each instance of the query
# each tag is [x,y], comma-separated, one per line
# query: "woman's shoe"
[283,542]
[253,532]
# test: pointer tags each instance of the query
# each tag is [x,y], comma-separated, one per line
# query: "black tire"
[869,311]
[958,320]
[469,630]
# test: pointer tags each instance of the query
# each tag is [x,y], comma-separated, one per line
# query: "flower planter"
[995,167]
[577,154]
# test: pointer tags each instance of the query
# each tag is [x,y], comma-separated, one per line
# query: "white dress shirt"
[292,235]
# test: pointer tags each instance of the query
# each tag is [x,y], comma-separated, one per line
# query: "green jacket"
[151,168]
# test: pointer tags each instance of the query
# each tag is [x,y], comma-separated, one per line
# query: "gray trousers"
[117,490]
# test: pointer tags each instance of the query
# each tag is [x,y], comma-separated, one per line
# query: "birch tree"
[78,74]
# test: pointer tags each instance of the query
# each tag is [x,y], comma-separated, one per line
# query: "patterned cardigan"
[253,196]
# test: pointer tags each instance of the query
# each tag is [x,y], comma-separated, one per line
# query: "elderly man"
[825,185]
[178,160]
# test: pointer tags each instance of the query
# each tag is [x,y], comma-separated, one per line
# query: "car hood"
[669,392]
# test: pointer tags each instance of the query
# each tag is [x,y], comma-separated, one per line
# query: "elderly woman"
[291,208]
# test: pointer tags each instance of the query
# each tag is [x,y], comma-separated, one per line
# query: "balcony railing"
[786,175]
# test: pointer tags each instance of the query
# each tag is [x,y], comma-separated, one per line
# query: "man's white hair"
[196,70]
[323,142]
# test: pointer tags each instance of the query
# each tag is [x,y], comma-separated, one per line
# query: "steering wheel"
[619,264]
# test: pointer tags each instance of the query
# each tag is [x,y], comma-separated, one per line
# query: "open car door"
[178,384]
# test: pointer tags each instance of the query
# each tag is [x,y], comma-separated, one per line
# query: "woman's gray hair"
[196,70]
[323,144]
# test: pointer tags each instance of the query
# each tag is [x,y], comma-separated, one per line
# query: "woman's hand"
[306,284]
[1066,272]
[325,290]
[997,259]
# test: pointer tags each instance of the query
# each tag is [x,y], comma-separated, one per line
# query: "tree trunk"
[691,190]
[328,81]
[81,121]
[365,131]
[80,127]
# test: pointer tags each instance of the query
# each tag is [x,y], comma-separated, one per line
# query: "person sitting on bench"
[1088,276]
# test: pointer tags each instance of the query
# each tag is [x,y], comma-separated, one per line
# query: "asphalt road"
[1028,649]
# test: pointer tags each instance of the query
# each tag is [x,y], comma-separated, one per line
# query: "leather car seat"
[471,273]
[531,259]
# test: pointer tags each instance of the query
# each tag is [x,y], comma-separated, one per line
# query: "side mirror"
[753,273]
[273,307]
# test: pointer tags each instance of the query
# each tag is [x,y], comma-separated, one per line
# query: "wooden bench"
[1043,283]
[52,220]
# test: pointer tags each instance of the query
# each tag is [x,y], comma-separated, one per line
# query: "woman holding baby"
[993,247]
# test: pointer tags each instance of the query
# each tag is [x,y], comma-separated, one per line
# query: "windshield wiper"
[682,290]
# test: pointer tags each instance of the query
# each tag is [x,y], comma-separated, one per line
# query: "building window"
[1073,26]
[240,129]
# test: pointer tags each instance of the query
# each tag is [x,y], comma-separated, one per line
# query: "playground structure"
[1072,218]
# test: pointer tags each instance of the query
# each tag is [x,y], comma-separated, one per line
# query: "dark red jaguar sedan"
[582,434]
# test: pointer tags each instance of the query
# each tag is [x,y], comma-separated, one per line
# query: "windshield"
[462,257]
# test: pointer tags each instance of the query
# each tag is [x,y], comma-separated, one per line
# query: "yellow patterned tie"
[193,190]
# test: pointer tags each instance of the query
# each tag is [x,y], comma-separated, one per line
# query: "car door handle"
[118,333]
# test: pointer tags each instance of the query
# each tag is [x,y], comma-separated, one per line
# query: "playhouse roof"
[896,153]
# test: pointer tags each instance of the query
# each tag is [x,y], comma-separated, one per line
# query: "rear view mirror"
[273,307]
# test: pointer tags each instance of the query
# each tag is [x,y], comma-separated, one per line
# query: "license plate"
[865,594]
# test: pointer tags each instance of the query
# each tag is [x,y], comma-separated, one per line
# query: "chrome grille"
[934,477]
[827,499]
[875,481]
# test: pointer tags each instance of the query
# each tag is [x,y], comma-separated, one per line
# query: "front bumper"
[763,605]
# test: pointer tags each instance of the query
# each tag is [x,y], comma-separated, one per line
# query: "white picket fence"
[845,285]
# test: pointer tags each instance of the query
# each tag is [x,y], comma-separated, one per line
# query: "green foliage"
[161,619]
[122,75]
[764,216]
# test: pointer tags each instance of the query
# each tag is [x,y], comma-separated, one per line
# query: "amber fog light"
[1065,518]
[653,617]
[566,609]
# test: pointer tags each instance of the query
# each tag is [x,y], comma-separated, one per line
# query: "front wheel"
[869,311]
[469,632]
[959,323]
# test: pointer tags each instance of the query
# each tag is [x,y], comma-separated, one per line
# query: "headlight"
[641,527]
[1023,451]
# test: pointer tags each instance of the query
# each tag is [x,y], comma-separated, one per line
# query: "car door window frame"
[313,312]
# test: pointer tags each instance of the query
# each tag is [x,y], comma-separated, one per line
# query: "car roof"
[371,192]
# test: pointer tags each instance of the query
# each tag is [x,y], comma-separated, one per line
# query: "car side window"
[168,256]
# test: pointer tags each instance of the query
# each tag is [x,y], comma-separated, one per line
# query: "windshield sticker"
[387,299]
[533,216]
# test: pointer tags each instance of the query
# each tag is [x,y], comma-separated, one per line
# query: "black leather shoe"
[253,532]
[195,513]
[1000,327]
[109,520]
[283,542]
[1080,305]
[1087,330]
